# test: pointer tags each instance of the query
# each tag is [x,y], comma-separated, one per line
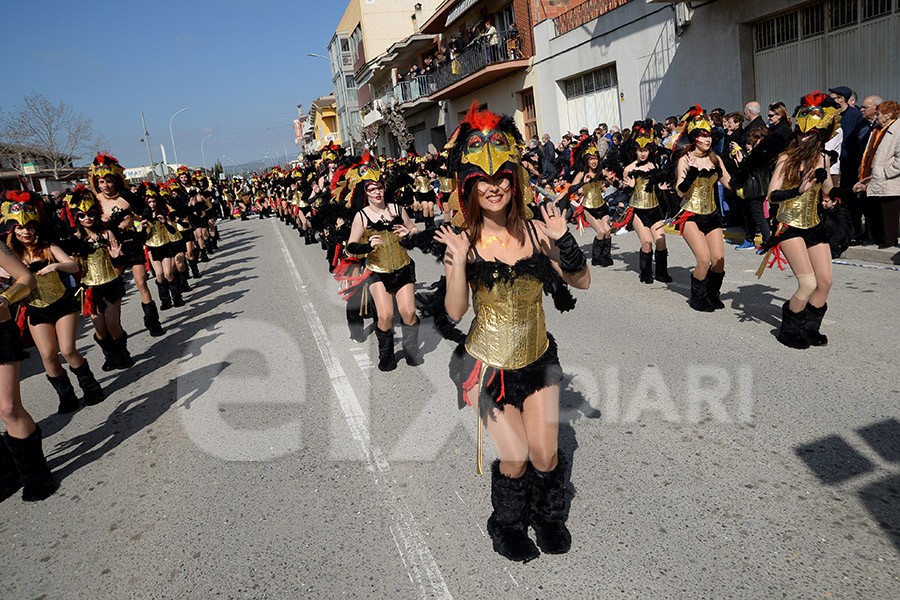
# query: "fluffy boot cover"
[354,319]
[204,257]
[177,298]
[37,481]
[309,236]
[386,360]
[68,401]
[548,509]
[108,346]
[93,393]
[792,326]
[151,319]
[662,266]
[10,482]
[699,300]
[123,357]
[194,269]
[606,253]
[508,524]
[411,344]
[596,252]
[646,266]
[181,280]
[814,316]
[713,285]
[165,297]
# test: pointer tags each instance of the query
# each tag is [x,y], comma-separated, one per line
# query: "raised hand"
[554,223]
[457,243]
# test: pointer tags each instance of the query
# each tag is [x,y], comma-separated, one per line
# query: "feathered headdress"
[485,145]
[819,114]
[105,165]
[81,201]
[21,208]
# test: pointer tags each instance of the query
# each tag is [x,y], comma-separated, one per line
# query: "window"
[530,114]
[595,81]
[812,19]
[875,8]
[504,17]
[349,81]
[345,45]
[843,13]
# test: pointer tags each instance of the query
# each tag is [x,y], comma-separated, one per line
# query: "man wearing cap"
[850,118]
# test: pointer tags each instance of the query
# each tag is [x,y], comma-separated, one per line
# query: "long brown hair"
[515,219]
[41,250]
[800,157]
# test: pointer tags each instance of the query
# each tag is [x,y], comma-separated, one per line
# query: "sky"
[239,67]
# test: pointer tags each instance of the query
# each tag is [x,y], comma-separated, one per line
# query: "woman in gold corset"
[22,461]
[589,180]
[508,360]
[800,179]
[164,243]
[648,219]
[424,196]
[51,309]
[375,235]
[102,288]
[698,170]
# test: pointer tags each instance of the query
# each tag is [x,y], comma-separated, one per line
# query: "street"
[256,452]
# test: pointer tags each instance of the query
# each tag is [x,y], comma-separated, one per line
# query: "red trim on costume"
[679,222]
[502,383]
[88,304]
[471,382]
[626,219]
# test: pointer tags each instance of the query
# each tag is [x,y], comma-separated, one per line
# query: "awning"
[459,10]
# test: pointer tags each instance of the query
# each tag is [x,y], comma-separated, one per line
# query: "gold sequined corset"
[643,196]
[297,199]
[50,287]
[700,198]
[801,211]
[388,256]
[448,184]
[423,184]
[97,267]
[508,331]
[157,234]
[593,194]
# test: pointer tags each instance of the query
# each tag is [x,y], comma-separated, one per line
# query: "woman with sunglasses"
[51,309]
[102,287]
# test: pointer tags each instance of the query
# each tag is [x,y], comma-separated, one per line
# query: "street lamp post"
[172,135]
[202,153]
[285,151]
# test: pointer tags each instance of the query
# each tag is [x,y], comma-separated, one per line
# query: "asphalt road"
[254,451]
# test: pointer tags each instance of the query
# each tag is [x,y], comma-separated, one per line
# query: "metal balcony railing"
[478,55]
[407,91]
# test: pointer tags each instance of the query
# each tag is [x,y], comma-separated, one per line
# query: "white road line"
[414,552]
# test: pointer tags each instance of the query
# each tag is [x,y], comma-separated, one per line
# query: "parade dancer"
[647,214]
[164,243]
[700,222]
[508,357]
[51,310]
[375,235]
[801,177]
[117,210]
[589,180]
[102,288]
[21,445]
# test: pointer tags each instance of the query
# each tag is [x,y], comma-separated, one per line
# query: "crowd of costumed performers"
[61,263]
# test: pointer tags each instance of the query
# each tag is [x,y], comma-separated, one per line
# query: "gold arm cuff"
[16,292]
[579,273]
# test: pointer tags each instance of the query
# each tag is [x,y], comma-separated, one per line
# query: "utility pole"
[147,140]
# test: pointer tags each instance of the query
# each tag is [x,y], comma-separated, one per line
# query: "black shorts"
[812,236]
[132,253]
[706,223]
[169,250]
[649,216]
[53,313]
[396,280]
[10,343]
[100,295]
[515,385]
[598,213]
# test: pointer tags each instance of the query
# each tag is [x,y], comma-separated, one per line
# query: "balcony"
[477,65]
[415,89]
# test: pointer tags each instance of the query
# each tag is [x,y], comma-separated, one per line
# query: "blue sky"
[241,68]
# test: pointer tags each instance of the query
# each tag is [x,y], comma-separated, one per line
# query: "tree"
[53,131]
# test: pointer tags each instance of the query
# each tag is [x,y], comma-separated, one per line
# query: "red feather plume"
[17,196]
[481,119]
[814,99]
[696,110]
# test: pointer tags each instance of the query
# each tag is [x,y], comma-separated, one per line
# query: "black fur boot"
[713,285]
[606,252]
[10,482]
[548,509]
[814,316]
[123,357]
[165,298]
[386,360]
[68,401]
[354,320]
[411,344]
[175,290]
[151,319]
[508,524]
[194,269]
[37,481]
[662,266]
[699,300]
[90,387]
[429,221]
[596,252]
[108,346]
[204,257]
[309,236]
[792,326]
[181,282]
[646,264]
